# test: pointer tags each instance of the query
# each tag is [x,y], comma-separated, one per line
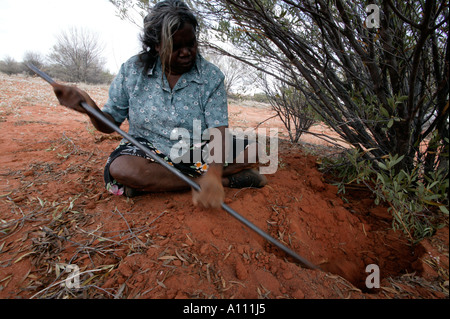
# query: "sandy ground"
[56,216]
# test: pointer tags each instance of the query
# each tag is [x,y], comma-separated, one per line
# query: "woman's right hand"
[72,97]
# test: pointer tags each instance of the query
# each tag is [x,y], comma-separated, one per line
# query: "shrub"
[418,203]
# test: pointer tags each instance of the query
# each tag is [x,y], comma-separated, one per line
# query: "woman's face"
[184,50]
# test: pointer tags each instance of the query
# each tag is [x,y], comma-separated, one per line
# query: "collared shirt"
[153,110]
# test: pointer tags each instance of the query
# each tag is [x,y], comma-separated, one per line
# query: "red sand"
[54,211]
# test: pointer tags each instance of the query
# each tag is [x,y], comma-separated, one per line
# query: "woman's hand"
[212,193]
[72,97]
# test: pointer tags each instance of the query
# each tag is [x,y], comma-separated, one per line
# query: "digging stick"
[99,116]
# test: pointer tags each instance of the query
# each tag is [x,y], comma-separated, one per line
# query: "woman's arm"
[212,193]
[72,97]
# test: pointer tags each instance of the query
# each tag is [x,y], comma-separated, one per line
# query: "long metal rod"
[99,116]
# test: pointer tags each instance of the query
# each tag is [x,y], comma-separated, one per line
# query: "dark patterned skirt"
[194,169]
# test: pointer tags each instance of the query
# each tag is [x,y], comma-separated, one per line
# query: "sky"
[32,25]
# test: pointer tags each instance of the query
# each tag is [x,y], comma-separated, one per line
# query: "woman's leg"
[142,174]
[145,175]
[240,174]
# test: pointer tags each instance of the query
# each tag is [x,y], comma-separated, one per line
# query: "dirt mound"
[57,217]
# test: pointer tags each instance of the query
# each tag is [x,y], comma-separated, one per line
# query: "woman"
[167,87]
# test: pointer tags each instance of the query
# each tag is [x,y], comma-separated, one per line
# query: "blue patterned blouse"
[153,110]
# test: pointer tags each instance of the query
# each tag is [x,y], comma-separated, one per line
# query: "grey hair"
[162,21]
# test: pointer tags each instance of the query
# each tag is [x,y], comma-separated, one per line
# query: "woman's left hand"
[212,193]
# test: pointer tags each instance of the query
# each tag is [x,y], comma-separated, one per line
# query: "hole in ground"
[391,262]
[344,240]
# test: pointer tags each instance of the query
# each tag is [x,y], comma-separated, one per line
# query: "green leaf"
[398,160]
[390,123]
[41,202]
[443,209]
[384,111]
[432,184]
[402,99]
